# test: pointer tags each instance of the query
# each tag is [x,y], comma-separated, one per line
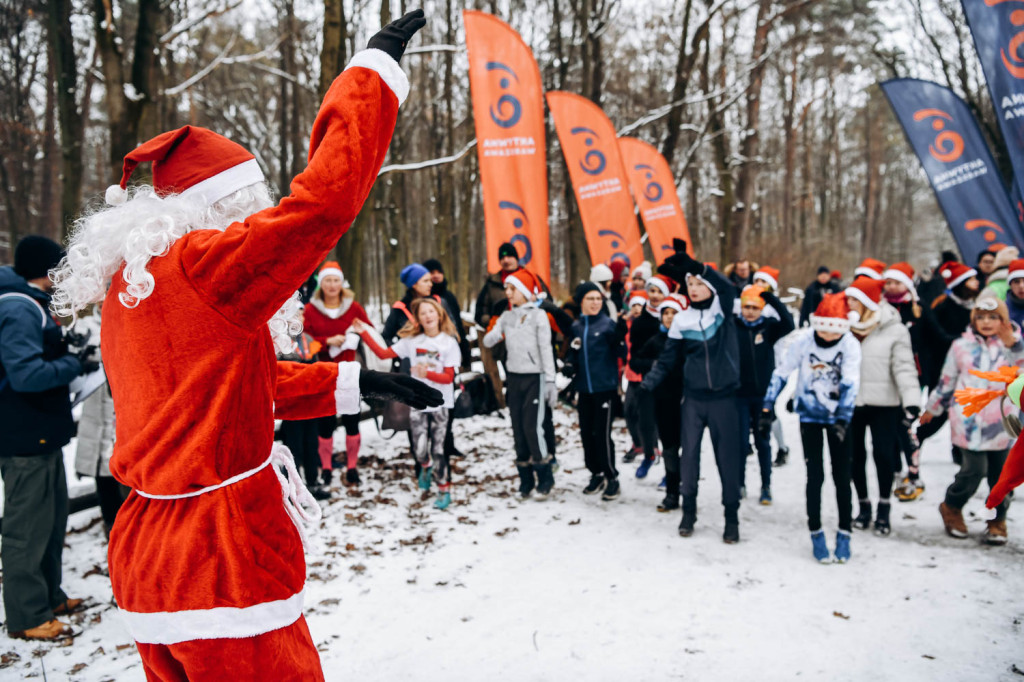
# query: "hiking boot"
[669,503]
[910,490]
[645,466]
[732,533]
[632,454]
[527,479]
[326,476]
[842,547]
[686,525]
[69,606]
[51,631]
[863,519]
[766,497]
[612,490]
[819,547]
[545,481]
[953,520]
[671,500]
[781,457]
[995,534]
[882,527]
[596,484]
[352,477]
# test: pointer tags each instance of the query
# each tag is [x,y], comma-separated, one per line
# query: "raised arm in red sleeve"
[310,391]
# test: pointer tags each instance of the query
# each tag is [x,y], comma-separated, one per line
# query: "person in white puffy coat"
[888,399]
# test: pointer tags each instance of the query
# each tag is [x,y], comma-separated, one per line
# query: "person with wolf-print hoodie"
[530,379]
[827,360]
[593,362]
[703,338]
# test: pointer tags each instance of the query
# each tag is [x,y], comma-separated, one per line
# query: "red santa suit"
[206,557]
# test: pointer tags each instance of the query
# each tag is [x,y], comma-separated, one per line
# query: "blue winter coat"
[35,370]
[597,353]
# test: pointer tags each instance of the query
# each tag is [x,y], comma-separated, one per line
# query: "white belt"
[302,508]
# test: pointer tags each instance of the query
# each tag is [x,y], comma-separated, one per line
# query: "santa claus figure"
[198,274]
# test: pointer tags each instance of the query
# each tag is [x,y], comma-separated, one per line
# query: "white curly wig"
[142,228]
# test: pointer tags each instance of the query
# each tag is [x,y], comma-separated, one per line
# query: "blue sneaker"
[443,500]
[661,486]
[424,479]
[820,546]
[842,547]
[645,466]
[766,496]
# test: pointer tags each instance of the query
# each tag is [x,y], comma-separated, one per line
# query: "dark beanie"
[35,256]
[824,269]
[507,249]
[584,289]
[433,265]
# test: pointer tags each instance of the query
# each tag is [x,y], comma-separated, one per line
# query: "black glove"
[395,36]
[89,366]
[790,406]
[680,264]
[568,369]
[86,360]
[400,387]
[839,430]
[910,415]
[764,423]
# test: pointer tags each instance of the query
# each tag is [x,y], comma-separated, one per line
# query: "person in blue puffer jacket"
[703,339]
[596,347]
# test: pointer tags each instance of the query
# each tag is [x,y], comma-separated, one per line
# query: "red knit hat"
[870,267]
[836,274]
[832,315]
[1016,270]
[666,284]
[638,297]
[330,268]
[769,276]
[904,274]
[954,273]
[866,290]
[192,161]
[524,280]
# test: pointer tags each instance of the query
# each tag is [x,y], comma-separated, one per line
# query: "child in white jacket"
[530,380]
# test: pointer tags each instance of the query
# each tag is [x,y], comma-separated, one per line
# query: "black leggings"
[813,436]
[885,425]
[301,438]
[595,410]
[666,414]
[327,425]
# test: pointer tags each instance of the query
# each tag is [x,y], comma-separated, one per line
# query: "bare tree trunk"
[333,56]
[71,127]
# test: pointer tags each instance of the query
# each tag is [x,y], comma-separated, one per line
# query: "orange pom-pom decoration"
[974,400]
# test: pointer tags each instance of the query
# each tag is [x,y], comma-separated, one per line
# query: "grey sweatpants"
[35,520]
[427,430]
[976,466]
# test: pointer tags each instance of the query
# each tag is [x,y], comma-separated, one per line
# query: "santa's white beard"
[144,227]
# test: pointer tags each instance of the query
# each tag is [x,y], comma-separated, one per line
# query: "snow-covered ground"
[575,588]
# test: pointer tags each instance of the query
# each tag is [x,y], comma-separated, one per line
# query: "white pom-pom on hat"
[115,195]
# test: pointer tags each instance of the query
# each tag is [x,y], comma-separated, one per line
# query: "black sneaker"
[596,484]
[612,490]
[732,533]
[670,503]
[351,477]
[863,519]
[781,457]
[319,493]
[686,525]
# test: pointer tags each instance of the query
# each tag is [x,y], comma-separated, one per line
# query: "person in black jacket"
[815,291]
[666,398]
[640,321]
[703,339]
[593,364]
[35,423]
[757,336]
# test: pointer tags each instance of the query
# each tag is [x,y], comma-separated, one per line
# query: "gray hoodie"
[527,336]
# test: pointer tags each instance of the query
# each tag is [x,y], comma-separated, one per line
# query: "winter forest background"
[783,147]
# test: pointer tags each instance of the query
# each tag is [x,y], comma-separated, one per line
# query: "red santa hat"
[954,273]
[672,301]
[328,269]
[769,276]
[191,161]
[1016,270]
[904,274]
[832,315]
[870,267]
[525,282]
[638,297]
[866,290]
[665,284]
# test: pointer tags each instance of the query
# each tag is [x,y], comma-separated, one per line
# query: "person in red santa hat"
[198,275]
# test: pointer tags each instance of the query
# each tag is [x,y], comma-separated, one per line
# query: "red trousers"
[280,655]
